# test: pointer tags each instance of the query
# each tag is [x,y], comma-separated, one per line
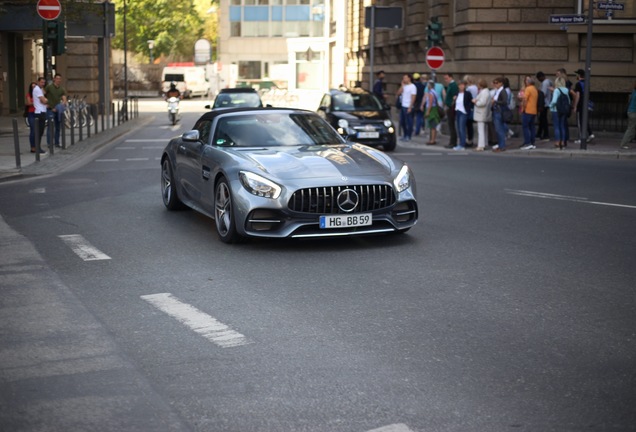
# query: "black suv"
[359,116]
[237,97]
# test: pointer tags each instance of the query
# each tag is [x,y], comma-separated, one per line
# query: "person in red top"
[529,113]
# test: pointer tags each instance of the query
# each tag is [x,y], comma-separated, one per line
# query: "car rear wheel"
[168,191]
[224,213]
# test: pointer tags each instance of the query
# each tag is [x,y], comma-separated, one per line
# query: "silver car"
[278,172]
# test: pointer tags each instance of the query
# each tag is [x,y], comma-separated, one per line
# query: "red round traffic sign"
[49,9]
[435,57]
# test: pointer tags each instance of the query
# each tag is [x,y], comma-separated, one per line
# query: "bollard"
[112,113]
[73,127]
[88,121]
[63,131]
[79,123]
[16,143]
[50,134]
[101,109]
[38,138]
[94,115]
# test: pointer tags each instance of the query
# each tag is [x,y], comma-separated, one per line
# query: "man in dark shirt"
[378,86]
[452,90]
[579,89]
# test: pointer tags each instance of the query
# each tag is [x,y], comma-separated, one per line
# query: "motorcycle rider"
[173,91]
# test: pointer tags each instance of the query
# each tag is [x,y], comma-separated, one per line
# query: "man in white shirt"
[408,91]
[39,102]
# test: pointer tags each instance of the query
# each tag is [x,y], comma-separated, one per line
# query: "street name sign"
[49,9]
[608,6]
[568,19]
[435,57]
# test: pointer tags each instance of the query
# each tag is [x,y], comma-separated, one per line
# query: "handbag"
[506,115]
[26,111]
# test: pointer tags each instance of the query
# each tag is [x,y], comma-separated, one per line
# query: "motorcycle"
[173,109]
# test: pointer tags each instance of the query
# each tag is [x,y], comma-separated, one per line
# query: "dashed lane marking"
[83,248]
[200,322]
[136,159]
[565,198]
[156,140]
[106,160]
[397,427]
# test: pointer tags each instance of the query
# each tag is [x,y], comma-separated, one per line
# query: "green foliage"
[173,25]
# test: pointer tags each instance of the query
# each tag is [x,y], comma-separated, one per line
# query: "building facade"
[514,38]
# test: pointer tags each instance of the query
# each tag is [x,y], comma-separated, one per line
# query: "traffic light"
[55,36]
[434,33]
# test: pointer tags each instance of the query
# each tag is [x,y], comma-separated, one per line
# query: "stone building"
[486,38]
[85,66]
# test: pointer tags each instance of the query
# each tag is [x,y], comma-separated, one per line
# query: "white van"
[190,80]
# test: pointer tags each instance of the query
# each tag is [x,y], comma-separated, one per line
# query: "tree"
[173,25]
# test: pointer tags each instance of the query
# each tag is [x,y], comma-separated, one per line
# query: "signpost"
[435,58]
[49,9]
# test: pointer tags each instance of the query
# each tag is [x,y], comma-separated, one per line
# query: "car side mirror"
[322,108]
[191,136]
[208,107]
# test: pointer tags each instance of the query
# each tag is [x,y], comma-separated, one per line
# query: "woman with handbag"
[500,113]
[430,106]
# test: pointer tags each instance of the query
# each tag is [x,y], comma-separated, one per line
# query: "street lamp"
[151,45]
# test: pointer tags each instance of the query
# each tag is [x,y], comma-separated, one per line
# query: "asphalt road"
[510,306]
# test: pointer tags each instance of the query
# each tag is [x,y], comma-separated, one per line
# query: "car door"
[189,162]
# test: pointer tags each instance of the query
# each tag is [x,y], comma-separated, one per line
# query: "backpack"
[541,101]
[512,103]
[563,103]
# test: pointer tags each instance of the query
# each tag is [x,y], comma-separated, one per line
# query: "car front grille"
[323,200]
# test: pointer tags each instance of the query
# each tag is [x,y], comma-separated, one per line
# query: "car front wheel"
[168,191]
[224,213]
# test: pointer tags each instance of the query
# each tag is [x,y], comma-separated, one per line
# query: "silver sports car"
[278,172]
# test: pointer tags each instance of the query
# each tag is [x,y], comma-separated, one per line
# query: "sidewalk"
[605,145]
[61,159]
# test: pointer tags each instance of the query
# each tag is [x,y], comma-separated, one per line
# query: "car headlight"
[343,123]
[403,180]
[259,186]
[388,123]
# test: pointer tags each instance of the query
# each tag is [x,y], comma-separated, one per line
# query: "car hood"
[360,115]
[345,160]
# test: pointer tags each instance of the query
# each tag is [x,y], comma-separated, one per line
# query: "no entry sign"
[435,58]
[49,9]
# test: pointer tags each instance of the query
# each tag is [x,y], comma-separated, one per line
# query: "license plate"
[345,221]
[368,134]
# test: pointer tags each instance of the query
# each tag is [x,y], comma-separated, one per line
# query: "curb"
[74,156]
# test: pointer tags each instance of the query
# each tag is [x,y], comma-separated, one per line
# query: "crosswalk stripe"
[200,322]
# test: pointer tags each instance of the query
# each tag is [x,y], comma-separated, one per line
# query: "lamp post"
[151,45]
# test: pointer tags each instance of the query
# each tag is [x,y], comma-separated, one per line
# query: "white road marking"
[398,427]
[202,323]
[83,248]
[106,160]
[565,198]
[136,159]
[156,140]
[38,190]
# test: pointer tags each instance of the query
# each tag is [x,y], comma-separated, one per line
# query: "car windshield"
[239,99]
[356,102]
[274,129]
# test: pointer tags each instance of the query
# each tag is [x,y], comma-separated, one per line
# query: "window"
[249,69]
